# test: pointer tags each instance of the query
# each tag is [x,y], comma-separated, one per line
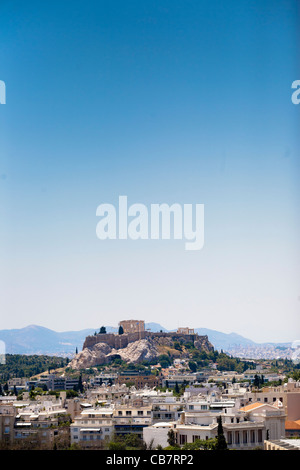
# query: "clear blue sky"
[162,101]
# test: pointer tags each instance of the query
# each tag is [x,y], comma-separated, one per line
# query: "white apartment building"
[38,419]
[131,418]
[166,409]
[182,379]
[250,375]
[92,427]
[108,394]
[194,407]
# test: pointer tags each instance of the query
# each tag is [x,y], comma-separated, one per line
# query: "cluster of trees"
[201,359]
[129,442]
[102,330]
[35,441]
[17,365]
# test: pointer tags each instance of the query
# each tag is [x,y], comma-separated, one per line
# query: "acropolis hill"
[134,330]
[133,343]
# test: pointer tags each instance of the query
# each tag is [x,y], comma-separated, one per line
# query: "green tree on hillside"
[192,366]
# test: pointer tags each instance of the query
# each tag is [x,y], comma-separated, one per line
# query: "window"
[140,412]
[128,413]
[119,413]
[182,439]
[266,400]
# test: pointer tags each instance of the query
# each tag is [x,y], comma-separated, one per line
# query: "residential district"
[175,393]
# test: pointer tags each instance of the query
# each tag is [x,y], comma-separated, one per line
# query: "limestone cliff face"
[101,353]
[91,357]
[135,352]
[138,351]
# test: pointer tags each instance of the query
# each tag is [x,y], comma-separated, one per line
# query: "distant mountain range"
[34,339]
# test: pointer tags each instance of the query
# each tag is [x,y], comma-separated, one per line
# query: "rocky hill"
[142,350]
[35,339]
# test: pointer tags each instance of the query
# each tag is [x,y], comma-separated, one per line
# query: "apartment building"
[212,404]
[108,394]
[166,409]
[39,420]
[139,379]
[103,379]
[267,376]
[55,382]
[93,428]
[172,380]
[17,383]
[236,391]
[7,420]
[132,418]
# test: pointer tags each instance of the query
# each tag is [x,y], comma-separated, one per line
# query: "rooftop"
[288,444]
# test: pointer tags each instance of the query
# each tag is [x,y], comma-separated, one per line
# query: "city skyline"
[165,102]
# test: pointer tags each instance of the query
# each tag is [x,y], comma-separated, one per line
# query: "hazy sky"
[166,102]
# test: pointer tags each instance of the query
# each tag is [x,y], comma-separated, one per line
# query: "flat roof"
[161,425]
[194,427]
[292,442]
[89,429]
[99,412]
